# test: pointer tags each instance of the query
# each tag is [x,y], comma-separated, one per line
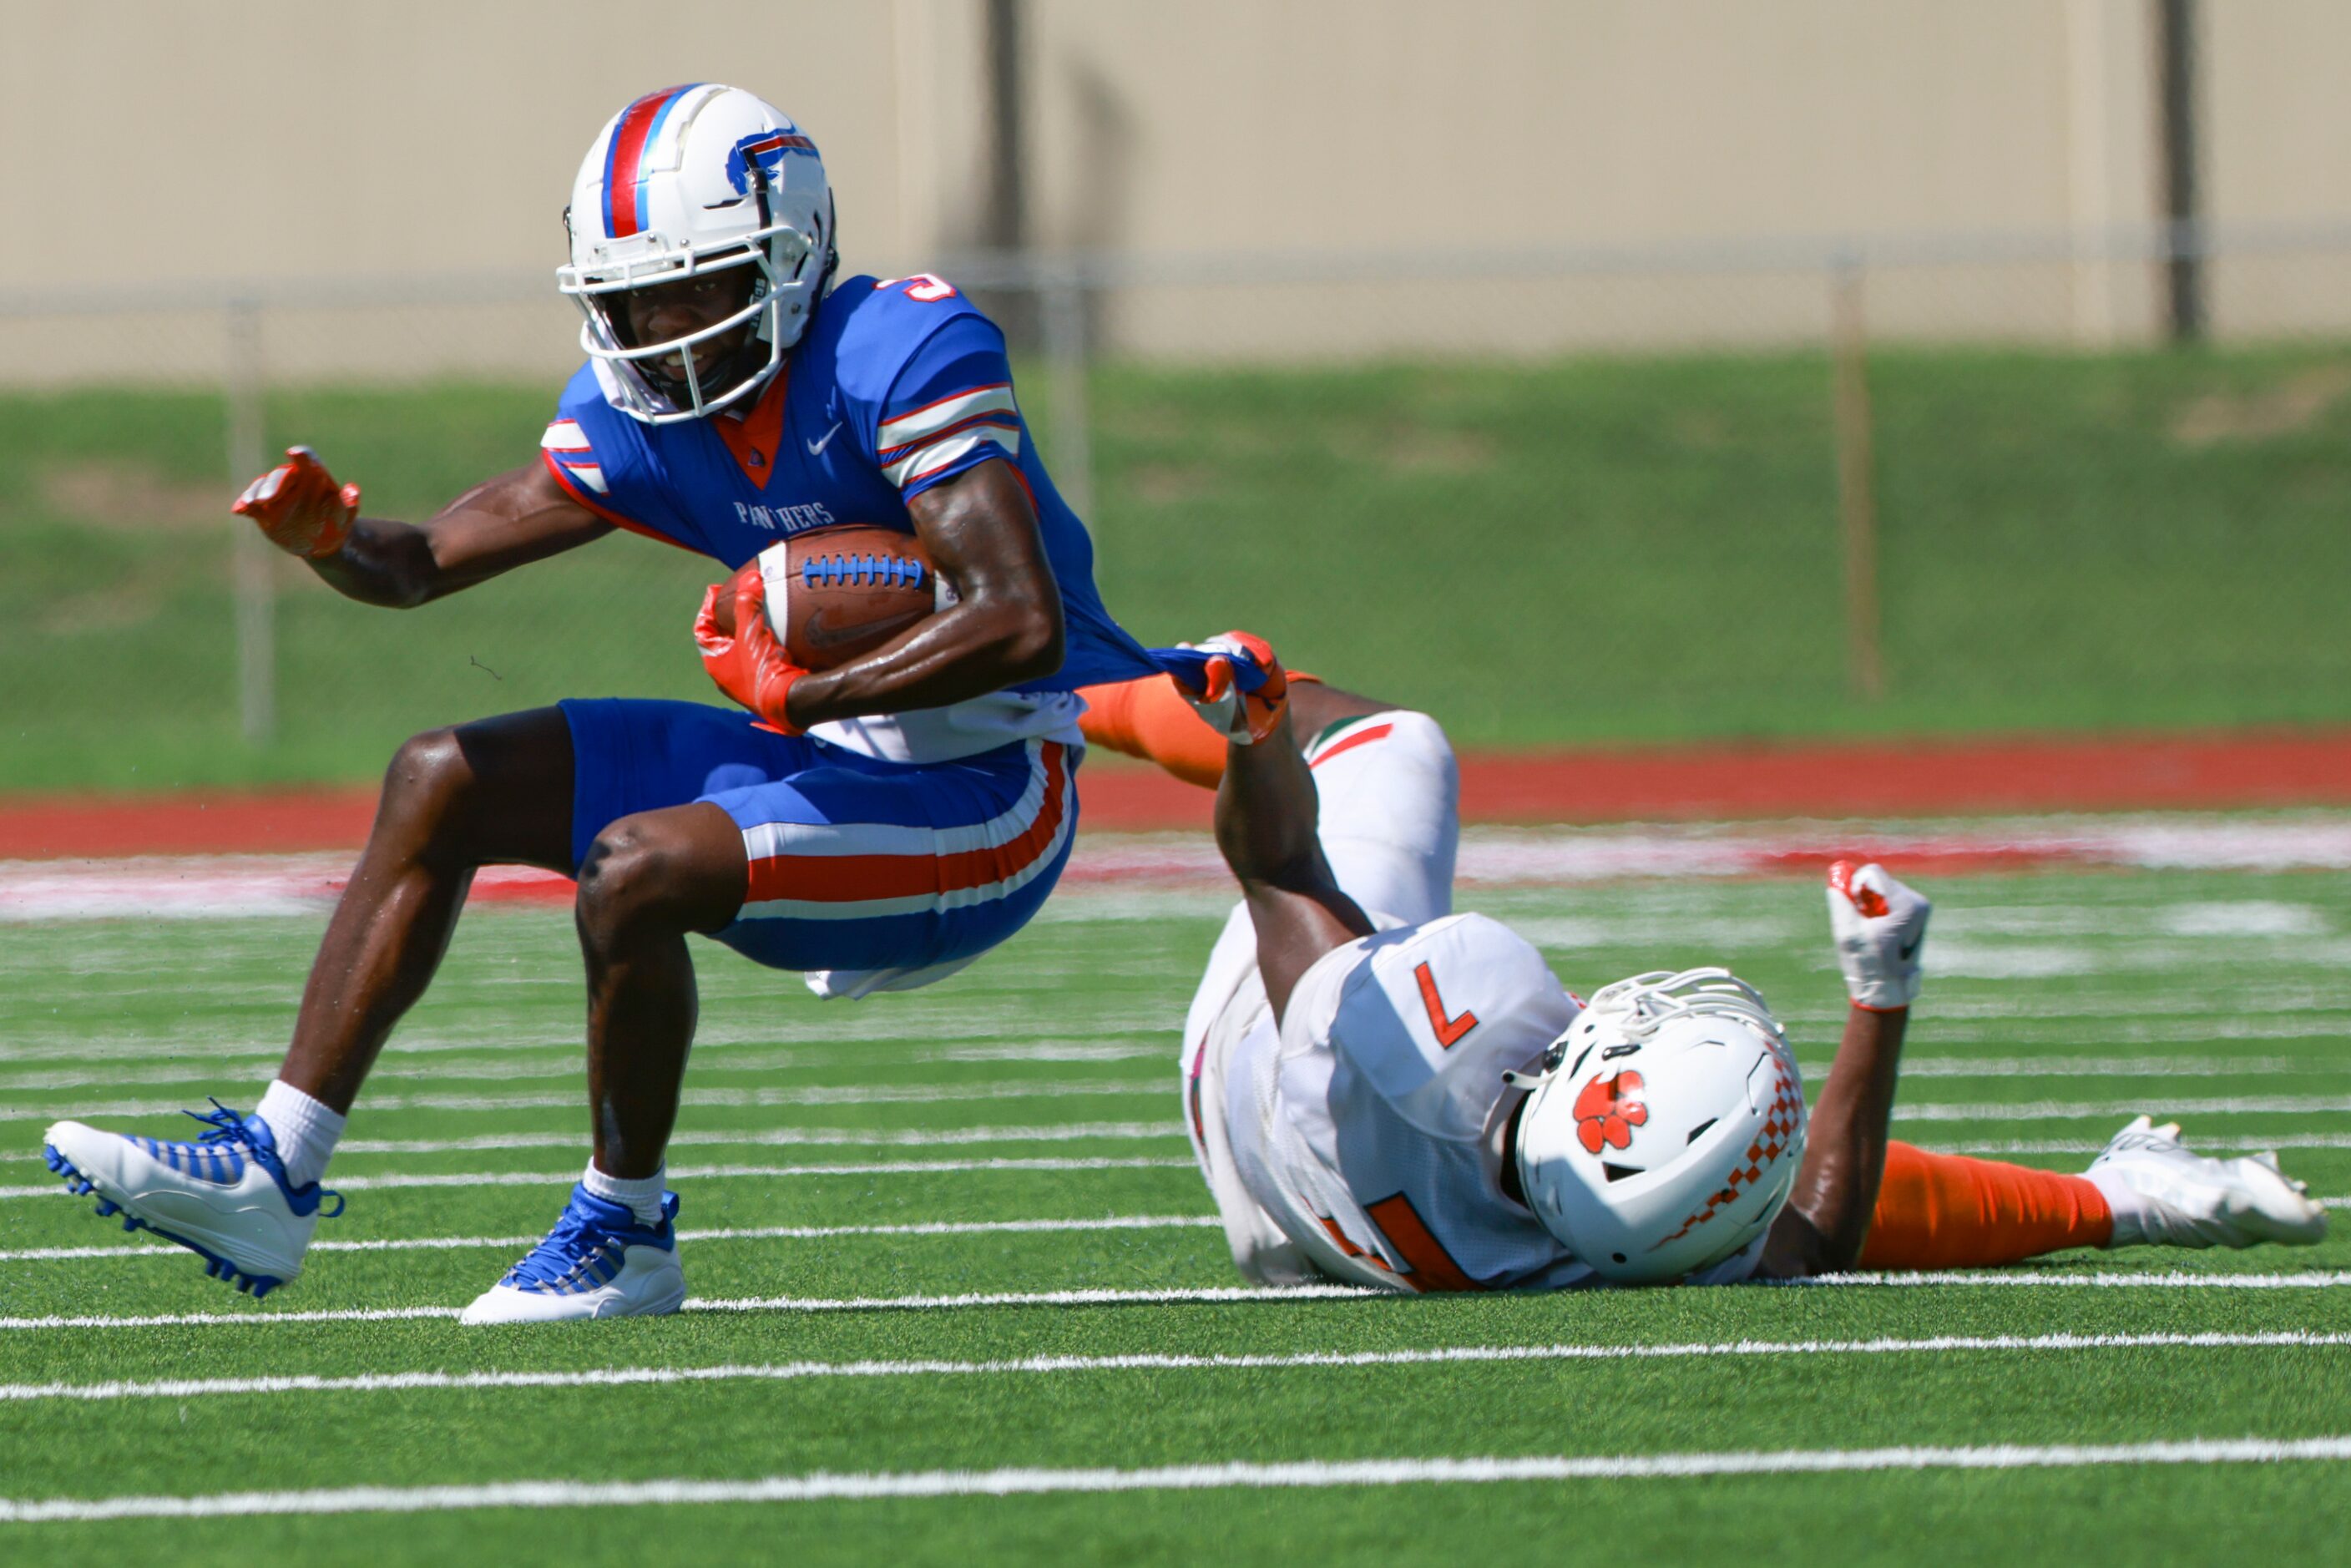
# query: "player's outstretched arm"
[502,523]
[1827,1218]
[1005,627]
[1267,822]
[1880,927]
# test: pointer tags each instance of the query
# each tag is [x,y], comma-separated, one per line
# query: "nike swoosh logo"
[817,634]
[816,448]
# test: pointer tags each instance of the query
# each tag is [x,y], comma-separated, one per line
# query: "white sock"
[304,1129]
[641,1195]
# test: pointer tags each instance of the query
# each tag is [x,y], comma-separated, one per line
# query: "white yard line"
[1080,1298]
[834,1094]
[775,1137]
[941,1093]
[2073,1110]
[1912,1067]
[207,1072]
[872,1168]
[2021,1022]
[1444,1355]
[2299,1015]
[187,1066]
[1053,1050]
[767,1137]
[2319,1279]
[1303,1473]
[2176,1280]
[2200,1144]
[733,1233]
[2283,1004]
[912,1026]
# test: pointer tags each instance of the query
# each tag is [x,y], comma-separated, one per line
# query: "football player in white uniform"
[1385,1093]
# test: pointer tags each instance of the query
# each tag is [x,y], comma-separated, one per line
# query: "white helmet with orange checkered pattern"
[1664,1131]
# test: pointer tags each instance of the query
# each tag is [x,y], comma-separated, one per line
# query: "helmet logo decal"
[1607,1110]
[624,183]
[764,150]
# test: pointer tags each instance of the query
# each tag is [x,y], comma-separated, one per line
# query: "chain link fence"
[1783,489]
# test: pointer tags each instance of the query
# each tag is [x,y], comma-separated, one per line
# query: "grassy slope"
[1544,553]
[155,1015]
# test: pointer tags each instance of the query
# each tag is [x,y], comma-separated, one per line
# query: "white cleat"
[2163,1196]
[600,1261]
[224,1197]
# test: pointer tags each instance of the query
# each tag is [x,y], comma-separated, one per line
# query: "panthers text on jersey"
[1364,1125]
[898,385]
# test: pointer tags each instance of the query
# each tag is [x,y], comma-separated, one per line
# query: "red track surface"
[2293,768]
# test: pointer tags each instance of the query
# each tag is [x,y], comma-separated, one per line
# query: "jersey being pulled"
[1362,1125]
[897,386]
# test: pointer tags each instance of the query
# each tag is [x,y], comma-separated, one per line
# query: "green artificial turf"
[2059,1004]
[1547,553]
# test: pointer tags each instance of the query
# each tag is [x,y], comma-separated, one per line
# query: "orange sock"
[1947,1211]
[1149,718]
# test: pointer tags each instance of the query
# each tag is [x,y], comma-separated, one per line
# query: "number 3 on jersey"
[1448,1029]
[923,286]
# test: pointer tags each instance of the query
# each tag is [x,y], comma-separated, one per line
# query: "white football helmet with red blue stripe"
[692,180]
[1664,1131]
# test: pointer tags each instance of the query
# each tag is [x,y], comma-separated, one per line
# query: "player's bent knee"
[622,876]
[428,779]
[668,871]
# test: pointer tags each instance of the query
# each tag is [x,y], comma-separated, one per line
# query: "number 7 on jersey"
[1449,1029]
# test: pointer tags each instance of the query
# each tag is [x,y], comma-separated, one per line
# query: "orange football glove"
[299,507]
[1244,689]
[750,666]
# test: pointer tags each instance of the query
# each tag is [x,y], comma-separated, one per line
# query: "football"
[836,593]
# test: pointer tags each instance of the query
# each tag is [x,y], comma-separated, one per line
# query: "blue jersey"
[895,387]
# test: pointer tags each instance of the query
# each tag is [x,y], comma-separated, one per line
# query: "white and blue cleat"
[600,1261]
[223,1197]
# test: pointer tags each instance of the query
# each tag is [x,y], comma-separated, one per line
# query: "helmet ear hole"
[1701,1127]
[1615,1172]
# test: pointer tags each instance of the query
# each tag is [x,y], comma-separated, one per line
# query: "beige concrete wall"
[277,137]
[151,141]
[2278,151]
[163,142]
[1374,127]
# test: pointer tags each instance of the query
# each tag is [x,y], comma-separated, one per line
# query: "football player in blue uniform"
[877,826]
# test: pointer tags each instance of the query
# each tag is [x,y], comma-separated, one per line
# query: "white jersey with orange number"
[1354,1142]
[1364,1125]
